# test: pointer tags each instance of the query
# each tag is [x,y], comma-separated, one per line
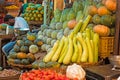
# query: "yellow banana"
[49,55]
[58,51]
[68,56]
[75,52]
[79,51]
[84,56]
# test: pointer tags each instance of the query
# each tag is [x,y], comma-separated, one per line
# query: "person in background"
[3,12]
[16,22]
[23,7]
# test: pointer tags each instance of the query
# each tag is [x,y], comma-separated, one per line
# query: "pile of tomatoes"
[44,74]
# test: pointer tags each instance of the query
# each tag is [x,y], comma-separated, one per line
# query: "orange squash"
[102,30]
[72,23]
[21,55]
[92,10]
[103,10]
[111,5]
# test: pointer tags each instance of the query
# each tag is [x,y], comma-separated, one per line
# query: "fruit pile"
[34,12]
[76,48]
[103,17]
[41,64]
[73,34]
[12,7]
[50,35]
[24,50]
[43,75]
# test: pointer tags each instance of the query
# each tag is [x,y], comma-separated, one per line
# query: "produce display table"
[3,38]
[103,72]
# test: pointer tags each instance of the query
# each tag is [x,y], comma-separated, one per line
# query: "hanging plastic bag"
[75,71]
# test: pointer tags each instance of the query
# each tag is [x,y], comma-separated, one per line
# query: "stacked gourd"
[103,19]
[75,48]
[24,50]
[34,12]
[79,36]
[51,33]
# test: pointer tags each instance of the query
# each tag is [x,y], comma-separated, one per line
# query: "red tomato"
[31,77]
[75,79]
[36,78]
[26,78]
[46,78]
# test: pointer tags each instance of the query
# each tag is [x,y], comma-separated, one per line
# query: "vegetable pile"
[43,75]
[24,49]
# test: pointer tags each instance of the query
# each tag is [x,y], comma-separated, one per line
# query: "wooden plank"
[117,30]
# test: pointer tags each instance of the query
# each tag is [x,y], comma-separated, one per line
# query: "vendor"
[23,7]
[17,22]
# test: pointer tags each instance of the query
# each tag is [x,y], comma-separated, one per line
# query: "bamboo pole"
[117,30]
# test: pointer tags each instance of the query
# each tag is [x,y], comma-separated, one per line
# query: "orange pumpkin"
[92,10]
[111,5]
[21,55]
[103,10]
[102,30]
[71,24]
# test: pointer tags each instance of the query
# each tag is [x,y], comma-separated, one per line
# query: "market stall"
[73,45]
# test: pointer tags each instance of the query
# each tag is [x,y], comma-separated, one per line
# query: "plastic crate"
[106,46]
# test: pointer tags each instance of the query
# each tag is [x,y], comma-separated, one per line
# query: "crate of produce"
[9,74]
[106,46]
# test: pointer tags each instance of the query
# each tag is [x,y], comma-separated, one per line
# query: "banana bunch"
[76,48]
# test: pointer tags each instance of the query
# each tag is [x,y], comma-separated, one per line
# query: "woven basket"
[106,46]
[19,65]
[16,77]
